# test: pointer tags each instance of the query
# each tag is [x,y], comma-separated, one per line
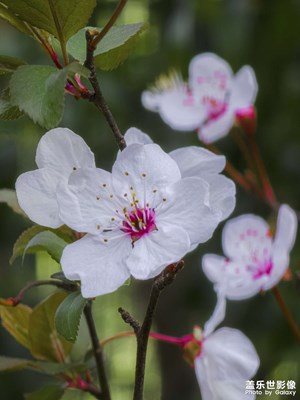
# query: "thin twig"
[142,332]
[97,97]
[105,393]
[48,282]
[286,312]
[117,12]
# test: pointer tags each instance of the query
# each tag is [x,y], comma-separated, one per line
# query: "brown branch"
[97,350]
[142,332]
[97,97]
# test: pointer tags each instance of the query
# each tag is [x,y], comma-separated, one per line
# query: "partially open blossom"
[254,261]
[223,359]
[140,218]
[194,161]
[59,152]
[209,102]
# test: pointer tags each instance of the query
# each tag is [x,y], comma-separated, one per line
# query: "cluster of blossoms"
[210,102]
[154,208]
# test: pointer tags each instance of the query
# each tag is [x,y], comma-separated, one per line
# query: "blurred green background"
[262,33]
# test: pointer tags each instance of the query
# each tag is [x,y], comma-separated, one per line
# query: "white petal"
[286,228]
[153,252]
[100,267]
[244,88]
[218,315]
[182,111]
[197,161]
[63,150]
[217,128]
[246,237]
[227,360]
[208,68]
[36,191]
[222,196]
[187,206]
[86,203]
[144,168]
[231,278]
[151,100]
[280,260]
[135,135]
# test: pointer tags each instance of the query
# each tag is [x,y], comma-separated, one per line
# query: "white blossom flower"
[209,102]
[140,218]
[59,153]
[223,359]
[194,161]
[254,261]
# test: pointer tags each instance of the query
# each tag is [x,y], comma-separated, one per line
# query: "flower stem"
[61,285]
[239,178]
[105,393]
[286,312]
[267,187]
[97,97]
[109,24]
[142,332]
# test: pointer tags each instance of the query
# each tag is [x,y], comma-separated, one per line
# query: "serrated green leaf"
[64,233]
[68,315]
[46,393]
[16,321]
[9,64]
[47,241]
[9,197]
[112,50]
[39,92]
[45,342]
[9,112]
[13,20]
[58,17]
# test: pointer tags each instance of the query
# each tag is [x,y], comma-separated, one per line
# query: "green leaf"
[78,68]
[13,20]
[61,18]
[75,394]
[9,112]
[14,364]
[68,315]
[16,321]
[47,241]
[39,92]
[46,393]
[112,50]
[22,243]
[9,64]
[45,342]
[9,197]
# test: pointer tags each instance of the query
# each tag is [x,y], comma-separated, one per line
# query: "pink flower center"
[215,107]
[139,222]
[262,269]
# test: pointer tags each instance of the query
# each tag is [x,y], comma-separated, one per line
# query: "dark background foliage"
[262,33]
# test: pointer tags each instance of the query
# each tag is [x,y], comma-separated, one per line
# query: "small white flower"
[254,260]
[194,161]
[223,359]
[140,218]
[59,153]
[209,102]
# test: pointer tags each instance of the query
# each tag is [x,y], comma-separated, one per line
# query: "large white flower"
[140,218]
[254,260]
[194,161]
[59,153]
[209,102]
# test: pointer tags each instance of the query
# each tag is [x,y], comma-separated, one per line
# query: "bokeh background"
[262,33]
